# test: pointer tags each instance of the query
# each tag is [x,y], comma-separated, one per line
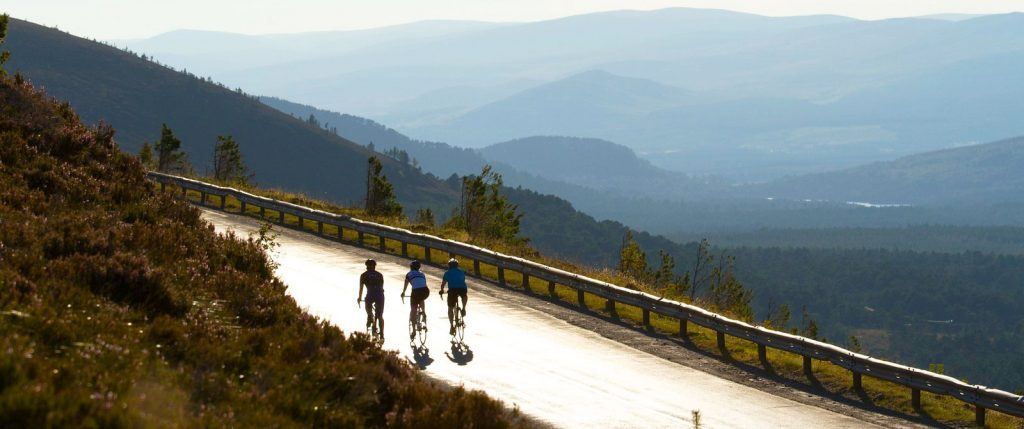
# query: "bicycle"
[458,321]
[375,326]
[418,327]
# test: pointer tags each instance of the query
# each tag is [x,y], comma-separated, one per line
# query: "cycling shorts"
[419,295]
[453,294]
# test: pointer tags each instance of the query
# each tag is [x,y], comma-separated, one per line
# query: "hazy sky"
[108,19]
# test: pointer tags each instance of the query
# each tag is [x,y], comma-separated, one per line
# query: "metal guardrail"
[983,398]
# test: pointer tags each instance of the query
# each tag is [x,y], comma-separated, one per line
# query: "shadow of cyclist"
[461,354]
[421,356]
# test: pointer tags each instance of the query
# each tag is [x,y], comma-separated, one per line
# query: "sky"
[122,19]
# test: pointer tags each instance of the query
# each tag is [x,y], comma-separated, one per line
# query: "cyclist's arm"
[359,297]
[443,284]
[405,286]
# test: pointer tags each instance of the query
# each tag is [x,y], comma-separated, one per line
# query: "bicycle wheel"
[421,331]
[460,324]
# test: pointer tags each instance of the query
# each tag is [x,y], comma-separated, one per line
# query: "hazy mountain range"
[702,92]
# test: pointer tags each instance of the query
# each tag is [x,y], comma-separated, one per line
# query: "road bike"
[459,321]
[418,326]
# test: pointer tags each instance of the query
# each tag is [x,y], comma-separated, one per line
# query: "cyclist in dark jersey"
[420,292]
[374,282]
[455,279]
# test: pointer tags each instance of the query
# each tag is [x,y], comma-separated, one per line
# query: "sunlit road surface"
[552,370]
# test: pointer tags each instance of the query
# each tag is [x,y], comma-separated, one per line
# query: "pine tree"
[227,161]
[425,217]
[380,195]
[484,211]
[146,156]
[170,158]
[632,259]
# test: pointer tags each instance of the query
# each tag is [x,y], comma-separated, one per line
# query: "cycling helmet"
[452,263]
[415,265]
[370,263]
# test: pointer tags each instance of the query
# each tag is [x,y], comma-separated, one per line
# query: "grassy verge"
[120,307]
[827,377]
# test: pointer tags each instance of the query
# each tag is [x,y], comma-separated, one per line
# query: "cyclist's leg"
[451,310]
[379,314]
[465,297]
[368,305]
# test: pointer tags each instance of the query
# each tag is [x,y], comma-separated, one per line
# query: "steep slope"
[984,173]
[126,309]
[137,96]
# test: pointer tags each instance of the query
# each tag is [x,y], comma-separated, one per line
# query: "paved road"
[553,371]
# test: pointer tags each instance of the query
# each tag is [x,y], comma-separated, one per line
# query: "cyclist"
[420,292]
[374,282]
[455,279]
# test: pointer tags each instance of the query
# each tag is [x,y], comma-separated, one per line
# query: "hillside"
[137,96]
[126,309]
[983,173]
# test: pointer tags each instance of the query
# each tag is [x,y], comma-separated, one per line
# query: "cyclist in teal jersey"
[455,279]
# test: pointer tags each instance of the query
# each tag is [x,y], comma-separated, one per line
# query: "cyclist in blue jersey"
[455,279]
[420,292]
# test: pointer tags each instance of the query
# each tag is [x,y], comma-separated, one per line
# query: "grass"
[826,376]
[121,307]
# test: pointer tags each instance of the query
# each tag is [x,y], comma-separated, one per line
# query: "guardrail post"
[202,198]
[341,234]
[762,354]
[223,201]
[383,243]
[647,318]
[580,298]
[859,385]
[609,306]
[163,187]
[551,289]
[979,415]
[360,244]
[405,249]
[476,267]
[302,223]
[243,206]
[319,228]
[426,255]
[280,217]
[915,398]
[683,327]
[501,275]
[526,282]
[263,213]
[184,192]
[721,340]
[808,370]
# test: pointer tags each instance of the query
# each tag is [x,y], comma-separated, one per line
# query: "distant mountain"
[584,104]
[713,92]
[599,165]
[137,96]
[204,52]
[984,173]
[438,158]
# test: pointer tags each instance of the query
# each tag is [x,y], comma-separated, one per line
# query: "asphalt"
[553,371]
